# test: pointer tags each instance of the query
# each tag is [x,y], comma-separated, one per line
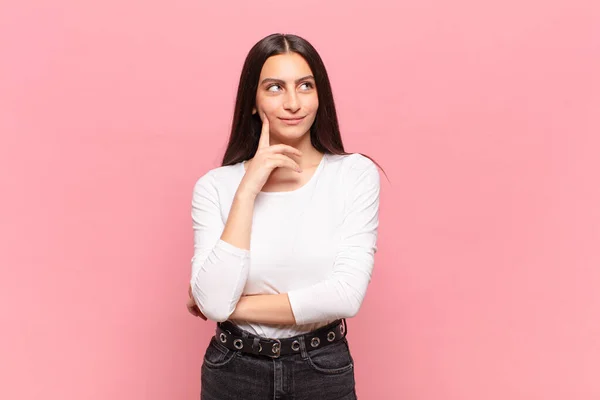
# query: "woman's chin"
[291,133]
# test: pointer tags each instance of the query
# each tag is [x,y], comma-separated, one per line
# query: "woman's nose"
[291,102]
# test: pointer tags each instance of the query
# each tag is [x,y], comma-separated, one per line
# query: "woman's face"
[288,95]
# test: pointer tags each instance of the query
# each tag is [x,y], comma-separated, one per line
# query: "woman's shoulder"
[221,176]
[352,163]
[351,171]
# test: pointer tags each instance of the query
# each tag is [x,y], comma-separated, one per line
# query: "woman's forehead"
[287,67]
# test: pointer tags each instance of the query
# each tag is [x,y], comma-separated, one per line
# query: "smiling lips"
[292,121]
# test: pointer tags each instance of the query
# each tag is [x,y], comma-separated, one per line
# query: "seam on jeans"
[330,371]
[219,346]
[222,363]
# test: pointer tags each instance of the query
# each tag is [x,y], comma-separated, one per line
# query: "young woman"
[285,234]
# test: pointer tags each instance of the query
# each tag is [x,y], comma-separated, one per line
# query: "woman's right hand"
[266,159]
[192,307]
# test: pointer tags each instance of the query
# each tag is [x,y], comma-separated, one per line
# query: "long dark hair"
[245,129]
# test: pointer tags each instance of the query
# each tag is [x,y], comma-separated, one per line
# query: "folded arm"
[221,258]
[342,293]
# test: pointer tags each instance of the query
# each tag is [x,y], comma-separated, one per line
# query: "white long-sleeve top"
[316,243]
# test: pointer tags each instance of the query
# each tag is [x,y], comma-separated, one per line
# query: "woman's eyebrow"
[280,81]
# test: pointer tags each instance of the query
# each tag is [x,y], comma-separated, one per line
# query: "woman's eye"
[308,85]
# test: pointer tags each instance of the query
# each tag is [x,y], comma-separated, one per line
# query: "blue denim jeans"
[325,373]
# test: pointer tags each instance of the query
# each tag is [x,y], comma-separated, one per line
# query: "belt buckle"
[275,348]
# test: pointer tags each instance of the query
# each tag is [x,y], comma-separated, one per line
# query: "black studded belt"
[232,337]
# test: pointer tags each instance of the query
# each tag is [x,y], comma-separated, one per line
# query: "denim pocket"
[334,358]
[217,355]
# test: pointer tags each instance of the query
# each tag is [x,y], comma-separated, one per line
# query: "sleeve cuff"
[296,309]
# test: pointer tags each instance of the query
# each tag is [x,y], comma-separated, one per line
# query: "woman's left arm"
[264,309]
[340,295]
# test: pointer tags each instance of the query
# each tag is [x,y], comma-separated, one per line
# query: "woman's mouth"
[292,121]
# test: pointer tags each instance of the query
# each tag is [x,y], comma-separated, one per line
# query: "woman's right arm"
[221,251]
[221,258]
[239,224]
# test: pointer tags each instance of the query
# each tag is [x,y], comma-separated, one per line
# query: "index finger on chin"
[263,141]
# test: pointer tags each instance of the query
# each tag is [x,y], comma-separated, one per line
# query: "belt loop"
[244,334]
[255,344]
[303,351]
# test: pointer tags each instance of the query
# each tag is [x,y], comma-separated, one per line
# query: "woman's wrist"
[244,195]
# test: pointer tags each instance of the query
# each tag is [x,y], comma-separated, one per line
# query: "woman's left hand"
[192,307]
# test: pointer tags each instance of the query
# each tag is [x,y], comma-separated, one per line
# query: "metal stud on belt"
[295,345]
[276,349]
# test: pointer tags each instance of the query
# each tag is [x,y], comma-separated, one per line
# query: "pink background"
[485,117]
